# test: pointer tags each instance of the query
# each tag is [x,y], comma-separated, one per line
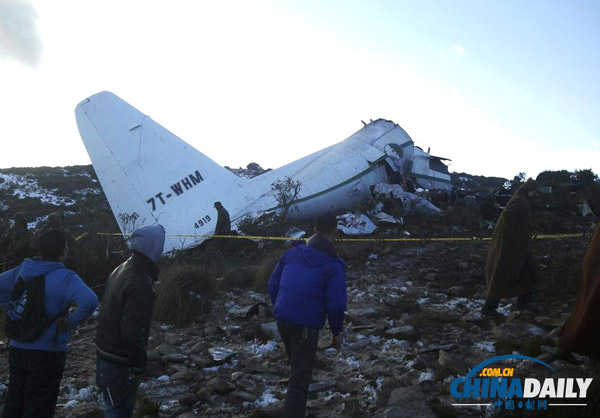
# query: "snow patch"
[372,393]
[352,362]
[487,346]
[394,342]
[266,399]
[425,376]
[262,349]
[379,383]
[26,187]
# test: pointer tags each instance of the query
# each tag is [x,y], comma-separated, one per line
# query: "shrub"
[214,263]
[182,294]
[554,178]
[466,215]
[286,193]
[237,278]
[146,408]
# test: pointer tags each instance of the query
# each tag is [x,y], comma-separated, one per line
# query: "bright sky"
[497,86]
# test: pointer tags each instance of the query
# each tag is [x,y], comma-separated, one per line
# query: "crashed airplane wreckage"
[145,169]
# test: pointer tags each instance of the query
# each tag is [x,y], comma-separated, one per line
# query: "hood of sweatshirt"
[34,267]
[149,240]
[313,257]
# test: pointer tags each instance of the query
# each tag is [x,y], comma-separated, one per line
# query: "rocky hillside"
[73,191]
[412,325]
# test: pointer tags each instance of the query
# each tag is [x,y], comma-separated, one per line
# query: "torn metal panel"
[351,224]
[430,172]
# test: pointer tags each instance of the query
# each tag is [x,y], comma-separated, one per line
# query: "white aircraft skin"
[145,169]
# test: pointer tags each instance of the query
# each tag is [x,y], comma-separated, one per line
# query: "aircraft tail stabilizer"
[147,170]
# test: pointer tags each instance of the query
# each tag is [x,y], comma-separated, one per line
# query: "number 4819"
[201,222]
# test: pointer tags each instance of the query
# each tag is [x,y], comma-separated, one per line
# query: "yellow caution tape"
[552,236]
[422,239]
[81,236]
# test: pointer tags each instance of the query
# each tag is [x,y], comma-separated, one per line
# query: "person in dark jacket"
[223,222]
[223,228]
[579,334]
[510,268]
[124,322]
[14,244]
[54,222]
[36,367]
[307,286]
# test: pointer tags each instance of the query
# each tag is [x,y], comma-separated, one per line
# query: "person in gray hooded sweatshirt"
[124,322]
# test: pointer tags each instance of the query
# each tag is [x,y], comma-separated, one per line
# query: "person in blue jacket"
[36,368]
[307,286]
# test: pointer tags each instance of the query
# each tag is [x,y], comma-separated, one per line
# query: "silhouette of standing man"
[223,227]
[223,222]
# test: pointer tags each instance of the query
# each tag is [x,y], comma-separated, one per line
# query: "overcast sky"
[497,86]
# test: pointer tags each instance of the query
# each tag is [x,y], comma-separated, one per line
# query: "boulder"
[183,374]
[221,355]
[172,338]
[238,397]
[197,348]
[187,399]
[246,311]
[407,402]
[175,358]
[269,332]
[516,330]
[401,332]
[452,365]
[204,395]
[550,322]
[359,313]
[322,386]
[165,349]
[220,385]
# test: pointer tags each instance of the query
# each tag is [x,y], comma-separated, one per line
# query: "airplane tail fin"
[146,170]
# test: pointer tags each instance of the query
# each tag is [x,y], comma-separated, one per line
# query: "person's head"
[53,246]
[54,219]
[149,240]
[218,205]
[20,219]
[326,225]
[530,187]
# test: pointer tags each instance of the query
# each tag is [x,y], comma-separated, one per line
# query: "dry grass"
[238,278]
[183,293]
[214,263]
[357,253]
[265,269]
[146,408]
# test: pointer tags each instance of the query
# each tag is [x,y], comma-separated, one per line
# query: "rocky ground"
[412,325]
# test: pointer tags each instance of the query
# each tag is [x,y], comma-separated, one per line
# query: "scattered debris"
[351,224]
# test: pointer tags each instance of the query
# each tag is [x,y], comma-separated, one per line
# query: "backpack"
[26,318]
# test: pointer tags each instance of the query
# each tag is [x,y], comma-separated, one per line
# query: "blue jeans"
[301,346]
[118,387]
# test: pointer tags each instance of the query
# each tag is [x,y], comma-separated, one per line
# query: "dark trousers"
[118,387]
[34,382]
[301,346]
